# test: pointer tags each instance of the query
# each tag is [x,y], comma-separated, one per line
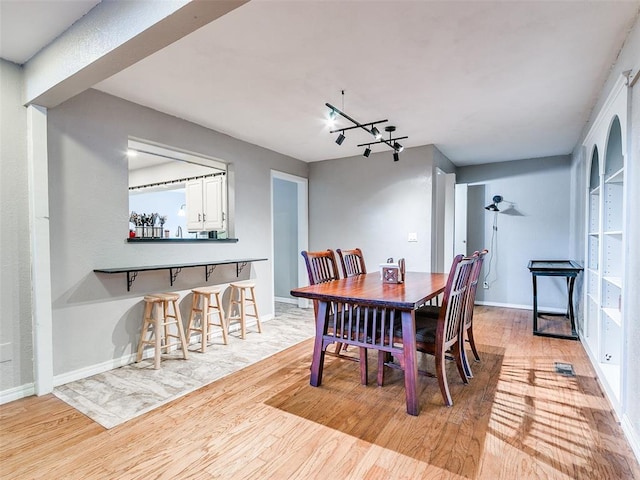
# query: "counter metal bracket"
[240,266]
[131,276]
[173,274]
[208,270]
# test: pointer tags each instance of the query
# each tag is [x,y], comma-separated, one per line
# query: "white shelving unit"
[604,323]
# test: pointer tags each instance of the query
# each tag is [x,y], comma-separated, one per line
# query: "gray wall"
[15,273]
[285,237]
[95,319]
[373,203]
[535,227]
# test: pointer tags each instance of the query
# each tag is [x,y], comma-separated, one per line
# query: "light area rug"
[116,396]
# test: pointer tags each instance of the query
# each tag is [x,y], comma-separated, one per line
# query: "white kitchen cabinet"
[206,202]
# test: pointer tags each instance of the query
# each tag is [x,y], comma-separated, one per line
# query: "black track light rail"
[382,141]
[358,125]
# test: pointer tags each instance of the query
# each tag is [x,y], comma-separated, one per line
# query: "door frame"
[302,185]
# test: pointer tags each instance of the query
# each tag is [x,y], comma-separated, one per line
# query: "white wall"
[536,227]
[628,59]
[374,203]
[95,319]
[16,345]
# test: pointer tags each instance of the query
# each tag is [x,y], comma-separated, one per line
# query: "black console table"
[174,269]
[555,268]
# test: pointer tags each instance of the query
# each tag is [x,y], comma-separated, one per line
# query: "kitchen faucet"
[179,232]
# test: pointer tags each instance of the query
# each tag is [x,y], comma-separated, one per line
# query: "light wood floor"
[517,419]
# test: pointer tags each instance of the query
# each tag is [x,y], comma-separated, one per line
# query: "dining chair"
[443,334]
[467,326]
[321,268]
[352,262]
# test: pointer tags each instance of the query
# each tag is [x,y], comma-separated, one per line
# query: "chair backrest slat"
[321,268]
[473,287]
[352,262]
[453,303]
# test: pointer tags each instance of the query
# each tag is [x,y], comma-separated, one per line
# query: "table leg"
[535,303]
[318,352]
[571,281]
[410,362]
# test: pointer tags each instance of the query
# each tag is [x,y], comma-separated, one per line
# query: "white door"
[460,229]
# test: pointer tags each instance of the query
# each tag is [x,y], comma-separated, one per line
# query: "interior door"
[460,229]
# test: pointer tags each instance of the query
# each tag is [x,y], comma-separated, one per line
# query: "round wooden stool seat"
[161,313]
[243,296]
[202,317]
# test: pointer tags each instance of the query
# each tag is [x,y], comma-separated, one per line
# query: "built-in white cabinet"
[206,203]
[604,325]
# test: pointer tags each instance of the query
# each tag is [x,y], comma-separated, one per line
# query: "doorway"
[290,235]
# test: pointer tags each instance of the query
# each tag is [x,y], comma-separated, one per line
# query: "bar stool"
[156,328]
[211,305]
[239,301]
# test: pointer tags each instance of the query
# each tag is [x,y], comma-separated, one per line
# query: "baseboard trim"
[293,301]
[16,393]
[632,435]
[522,307]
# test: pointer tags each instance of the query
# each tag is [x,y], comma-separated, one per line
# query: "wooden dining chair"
[321,268]
[467,326]
[352,262]
[443,334]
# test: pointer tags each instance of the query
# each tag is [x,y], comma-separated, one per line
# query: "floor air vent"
[565,369]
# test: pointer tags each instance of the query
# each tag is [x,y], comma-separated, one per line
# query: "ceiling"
[483,81]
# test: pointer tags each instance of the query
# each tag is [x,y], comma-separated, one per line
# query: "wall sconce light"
[182,212]
[493,207]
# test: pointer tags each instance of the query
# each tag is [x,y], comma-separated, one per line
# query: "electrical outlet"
[413,237]
[485,285]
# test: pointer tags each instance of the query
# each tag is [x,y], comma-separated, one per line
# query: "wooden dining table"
[364,312]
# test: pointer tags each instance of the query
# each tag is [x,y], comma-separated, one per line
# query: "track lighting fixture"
[396,157]
[369,127]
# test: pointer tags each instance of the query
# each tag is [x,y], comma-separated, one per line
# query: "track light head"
[397,147]
[367,152]
[376,133]
[396,157]
[340,138]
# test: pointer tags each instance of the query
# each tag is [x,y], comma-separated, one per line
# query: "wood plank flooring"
[517,419]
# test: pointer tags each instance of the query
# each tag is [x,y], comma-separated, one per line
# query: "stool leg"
[205,322]
[183,341]
[223,324]
[232,302]
[243,325]
[157,332]
[255,309]
[146,316]
[192,315]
